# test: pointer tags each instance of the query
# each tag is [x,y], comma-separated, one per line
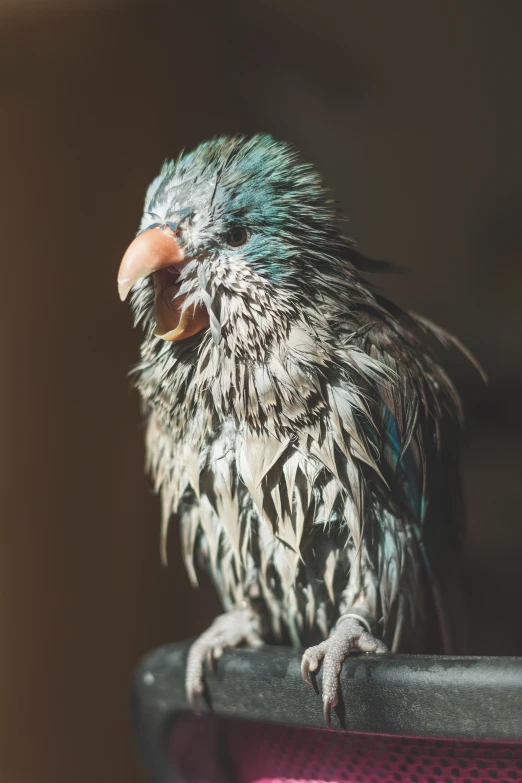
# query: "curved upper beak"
[157,252]
[151,251]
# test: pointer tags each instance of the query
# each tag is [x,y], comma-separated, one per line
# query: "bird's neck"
[262,363]
[262,383]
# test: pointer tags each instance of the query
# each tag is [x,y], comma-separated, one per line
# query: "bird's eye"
[237,236]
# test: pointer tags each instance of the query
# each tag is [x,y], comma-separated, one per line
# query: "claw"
[196,691]
[328,706]
[310,661]
[327,712]
[227,630]
[305,671]
[349,636]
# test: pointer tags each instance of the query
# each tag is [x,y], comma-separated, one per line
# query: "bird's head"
[233,235]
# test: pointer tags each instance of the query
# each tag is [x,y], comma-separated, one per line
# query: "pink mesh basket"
[264,753]
[424,719]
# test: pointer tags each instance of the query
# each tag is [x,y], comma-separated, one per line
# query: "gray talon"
[349,636]
[327,712]
[305,670]
[227,630]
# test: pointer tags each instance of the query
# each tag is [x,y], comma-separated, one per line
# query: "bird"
[299,426]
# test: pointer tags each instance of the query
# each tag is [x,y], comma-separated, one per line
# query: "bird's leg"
[240,626]
[352,633]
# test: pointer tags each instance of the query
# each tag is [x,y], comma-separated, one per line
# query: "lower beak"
[157,252]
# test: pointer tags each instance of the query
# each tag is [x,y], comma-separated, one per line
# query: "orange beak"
[157,252]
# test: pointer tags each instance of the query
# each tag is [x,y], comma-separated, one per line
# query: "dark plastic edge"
[443,697]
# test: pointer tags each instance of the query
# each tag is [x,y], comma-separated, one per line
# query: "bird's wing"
[417,425]
[435,511]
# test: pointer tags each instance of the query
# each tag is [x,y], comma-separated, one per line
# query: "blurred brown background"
[413,113]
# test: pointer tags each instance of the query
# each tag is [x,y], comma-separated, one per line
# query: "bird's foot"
[241,626]
[349,636]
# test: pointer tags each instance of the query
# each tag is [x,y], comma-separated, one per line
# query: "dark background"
[413,113]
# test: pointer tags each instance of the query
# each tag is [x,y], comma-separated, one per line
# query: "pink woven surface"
[275,754]
[203,749]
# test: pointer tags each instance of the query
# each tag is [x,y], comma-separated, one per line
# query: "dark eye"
[237,236]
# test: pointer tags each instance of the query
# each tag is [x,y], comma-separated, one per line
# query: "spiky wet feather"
[267,432]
